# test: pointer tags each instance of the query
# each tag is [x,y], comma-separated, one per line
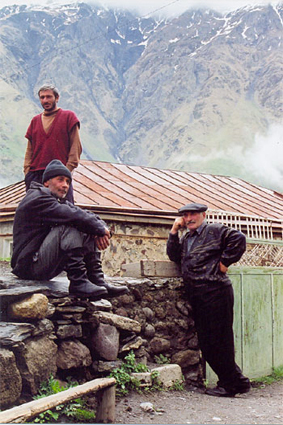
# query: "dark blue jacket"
[36,214]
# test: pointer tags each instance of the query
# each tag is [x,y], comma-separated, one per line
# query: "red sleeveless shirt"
[52,145]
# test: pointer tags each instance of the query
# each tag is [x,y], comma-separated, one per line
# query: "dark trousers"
[213,315]
[36,176]
[51,258]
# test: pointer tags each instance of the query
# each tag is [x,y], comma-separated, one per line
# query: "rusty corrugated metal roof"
[130,187]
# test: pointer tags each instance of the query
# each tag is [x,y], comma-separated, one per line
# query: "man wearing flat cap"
[50,235]
[205,251]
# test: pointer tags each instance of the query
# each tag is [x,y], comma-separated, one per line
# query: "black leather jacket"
[36,214]
[216,243]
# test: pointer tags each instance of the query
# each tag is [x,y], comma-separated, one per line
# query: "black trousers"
[213,311]
[36,176]
[51,258]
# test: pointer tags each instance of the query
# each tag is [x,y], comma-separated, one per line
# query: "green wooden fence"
[258,320]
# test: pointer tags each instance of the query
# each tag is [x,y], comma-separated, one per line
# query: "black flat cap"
[193,207]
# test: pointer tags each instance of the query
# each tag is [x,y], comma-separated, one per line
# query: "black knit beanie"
[55,168]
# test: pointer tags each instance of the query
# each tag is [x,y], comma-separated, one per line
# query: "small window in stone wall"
[7,248]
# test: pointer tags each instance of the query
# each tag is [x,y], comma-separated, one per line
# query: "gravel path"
[259,406]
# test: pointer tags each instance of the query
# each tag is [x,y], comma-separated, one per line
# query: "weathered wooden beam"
[149,268]
[105,412]
[106,402]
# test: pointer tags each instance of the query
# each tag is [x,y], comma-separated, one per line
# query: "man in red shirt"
[53,134]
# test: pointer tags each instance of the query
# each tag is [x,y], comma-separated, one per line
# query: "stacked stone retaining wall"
[43,332]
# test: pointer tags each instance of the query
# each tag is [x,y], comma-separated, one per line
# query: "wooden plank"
[20,414]
[148,268]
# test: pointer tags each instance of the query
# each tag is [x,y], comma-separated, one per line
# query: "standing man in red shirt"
[53,134]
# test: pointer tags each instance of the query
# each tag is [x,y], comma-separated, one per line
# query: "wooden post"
[21,414]
[105,412]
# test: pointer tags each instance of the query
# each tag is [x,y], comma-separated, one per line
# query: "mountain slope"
[201,92]
[209,90]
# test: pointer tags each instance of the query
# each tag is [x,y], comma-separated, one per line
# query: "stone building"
[140,203]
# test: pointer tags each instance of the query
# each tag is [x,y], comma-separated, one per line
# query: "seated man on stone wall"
[51,235]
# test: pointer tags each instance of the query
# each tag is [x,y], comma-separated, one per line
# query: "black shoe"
[88,290]
[219,392]
[115,291]
[112,290]
[80,286]
[243,389]
[96,275]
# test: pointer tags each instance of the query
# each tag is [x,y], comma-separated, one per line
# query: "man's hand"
[223,268]
[103,242]
[179,223]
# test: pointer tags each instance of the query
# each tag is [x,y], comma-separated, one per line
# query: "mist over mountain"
[201,92]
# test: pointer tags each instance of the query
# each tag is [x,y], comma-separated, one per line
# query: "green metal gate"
[258,320]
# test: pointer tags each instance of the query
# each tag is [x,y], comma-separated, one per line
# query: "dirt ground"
[260,406]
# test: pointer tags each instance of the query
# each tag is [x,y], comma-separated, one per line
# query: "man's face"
[48,100]
[58,186]
[193,220]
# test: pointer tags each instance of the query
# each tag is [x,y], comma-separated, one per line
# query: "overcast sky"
[169,7]
[177,6]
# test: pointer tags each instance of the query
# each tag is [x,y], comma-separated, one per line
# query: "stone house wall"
[133,242]
[138,238]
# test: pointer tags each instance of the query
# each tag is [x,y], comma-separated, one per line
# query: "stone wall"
[138,238]
[133,242]
[45,332]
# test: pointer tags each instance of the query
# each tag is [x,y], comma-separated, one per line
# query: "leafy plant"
[161,359]
[52,386]
[47,416]
[130,364]
[277,375]
[124,381]
[205,383]
[77,411]
[177,386]
[156,384]
[74,409]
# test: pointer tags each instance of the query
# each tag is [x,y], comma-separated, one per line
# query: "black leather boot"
[80,286]
[96,275]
